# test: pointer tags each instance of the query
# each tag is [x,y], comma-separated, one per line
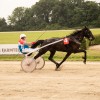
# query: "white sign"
[9,49]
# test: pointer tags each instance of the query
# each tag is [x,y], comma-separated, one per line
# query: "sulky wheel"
[28,64]
[40,62]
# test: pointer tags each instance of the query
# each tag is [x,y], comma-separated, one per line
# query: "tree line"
[53,14]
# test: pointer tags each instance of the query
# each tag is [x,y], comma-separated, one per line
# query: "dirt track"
[95,47]
[75,81]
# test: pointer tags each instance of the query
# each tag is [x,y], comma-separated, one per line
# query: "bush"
[86,43]
[53,27]
[96,41]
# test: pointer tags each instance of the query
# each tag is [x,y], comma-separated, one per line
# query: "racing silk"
[22,45]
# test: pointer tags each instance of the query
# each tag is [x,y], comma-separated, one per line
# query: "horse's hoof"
[57,65]
[58,69]
[84,62]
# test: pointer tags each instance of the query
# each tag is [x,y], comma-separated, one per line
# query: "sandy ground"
[75,81]
[95,47]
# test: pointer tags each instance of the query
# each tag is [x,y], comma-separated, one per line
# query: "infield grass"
[13,37]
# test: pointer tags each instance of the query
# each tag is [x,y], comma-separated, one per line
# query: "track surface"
[75,81]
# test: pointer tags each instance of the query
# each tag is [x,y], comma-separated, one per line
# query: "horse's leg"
[41,52]
[66,56]
[85,57]
[51,57]
[85,54]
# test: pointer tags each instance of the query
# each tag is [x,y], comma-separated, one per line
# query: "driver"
[26,47]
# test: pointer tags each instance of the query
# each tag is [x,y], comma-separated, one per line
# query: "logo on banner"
[9,49]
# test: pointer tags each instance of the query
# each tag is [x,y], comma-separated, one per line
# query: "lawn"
[13,37]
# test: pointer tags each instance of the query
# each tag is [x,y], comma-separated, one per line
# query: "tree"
[91,12]
[56,14]
[3,24]
[43,10]
[16,17]
[78,2]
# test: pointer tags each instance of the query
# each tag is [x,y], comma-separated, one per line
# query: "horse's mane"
[75,33]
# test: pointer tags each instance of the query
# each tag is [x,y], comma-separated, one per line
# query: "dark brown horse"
[75,40]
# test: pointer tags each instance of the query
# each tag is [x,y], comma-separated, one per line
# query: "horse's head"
[88,34]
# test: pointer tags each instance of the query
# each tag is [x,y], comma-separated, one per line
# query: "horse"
[75,40]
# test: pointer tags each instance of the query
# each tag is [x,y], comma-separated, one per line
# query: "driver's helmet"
[22,35]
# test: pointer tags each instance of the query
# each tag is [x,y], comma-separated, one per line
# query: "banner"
[9,49]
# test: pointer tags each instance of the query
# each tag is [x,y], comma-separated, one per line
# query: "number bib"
[66,41]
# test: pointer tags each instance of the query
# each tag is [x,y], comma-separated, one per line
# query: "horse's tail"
[41,42]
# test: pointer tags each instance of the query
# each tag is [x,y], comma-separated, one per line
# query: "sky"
[7,6]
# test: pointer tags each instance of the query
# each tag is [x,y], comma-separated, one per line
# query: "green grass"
[13,37]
